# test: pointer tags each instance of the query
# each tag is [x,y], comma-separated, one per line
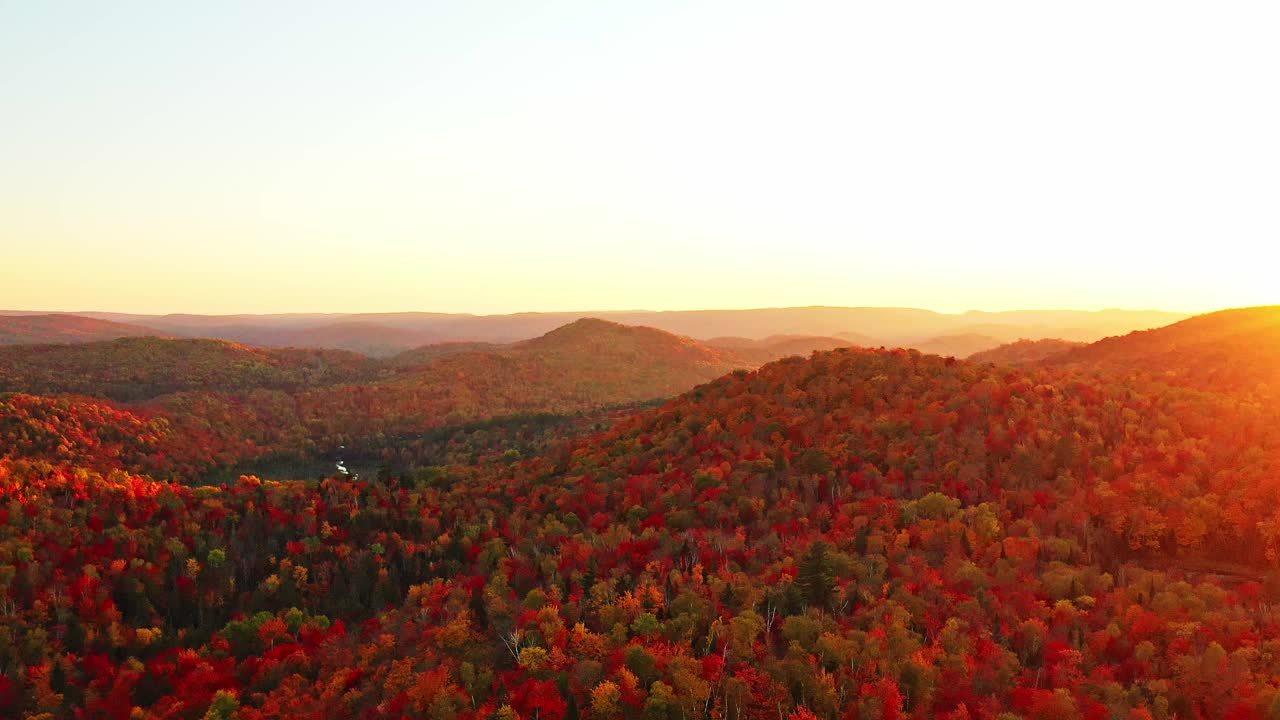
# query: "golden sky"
[498,157]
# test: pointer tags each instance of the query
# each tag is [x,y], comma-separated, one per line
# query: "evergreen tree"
[816,577]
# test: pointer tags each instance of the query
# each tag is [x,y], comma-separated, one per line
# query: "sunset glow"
[675,360]
[486,158]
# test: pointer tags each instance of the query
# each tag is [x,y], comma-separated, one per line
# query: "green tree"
[816,577]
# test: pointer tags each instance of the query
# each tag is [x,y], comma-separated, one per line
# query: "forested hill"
[60,328]
[858,534]
[1236,351]
[140,368]
[212,403]
[1024,352]
[385,334]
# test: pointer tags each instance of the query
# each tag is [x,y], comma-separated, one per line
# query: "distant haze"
[383,334]
[500,157]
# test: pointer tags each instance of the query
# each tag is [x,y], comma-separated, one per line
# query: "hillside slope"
[960,345]
[1234,351]
[365,337]
[585,365]
[1024,352]
[58,328]
[425,353]
[858,534]
[226,403]
[131,369]
[775,347]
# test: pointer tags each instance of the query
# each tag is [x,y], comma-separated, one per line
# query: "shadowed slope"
[131,369]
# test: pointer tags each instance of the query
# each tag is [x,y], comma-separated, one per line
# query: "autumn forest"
[612,521]
[676,360]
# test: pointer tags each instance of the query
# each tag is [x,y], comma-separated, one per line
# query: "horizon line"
[12,312]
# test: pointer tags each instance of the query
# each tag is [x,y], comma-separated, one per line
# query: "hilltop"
[610,340]
[226,403]
[585,365]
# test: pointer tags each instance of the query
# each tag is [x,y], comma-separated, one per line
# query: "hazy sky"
[493,157]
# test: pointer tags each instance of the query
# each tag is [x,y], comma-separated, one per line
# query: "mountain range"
[386,334]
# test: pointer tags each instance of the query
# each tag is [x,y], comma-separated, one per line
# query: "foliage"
[860,534]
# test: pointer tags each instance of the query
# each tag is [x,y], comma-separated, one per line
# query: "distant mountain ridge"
[386,334]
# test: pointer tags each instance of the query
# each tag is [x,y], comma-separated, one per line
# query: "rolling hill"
[386,333]
[857,534]
[130,369]
[774,347]
[58,328]
[229,403]
[585,365]
[1233,351]
[426,353]
[365,337]
[1024,352]
[962,345]
[86,432]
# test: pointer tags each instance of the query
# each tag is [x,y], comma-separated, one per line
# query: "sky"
[497,157]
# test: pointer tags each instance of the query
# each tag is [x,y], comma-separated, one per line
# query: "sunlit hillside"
[582,366]
[1232,350]
[758,352]
[1024,352]
[223,403]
